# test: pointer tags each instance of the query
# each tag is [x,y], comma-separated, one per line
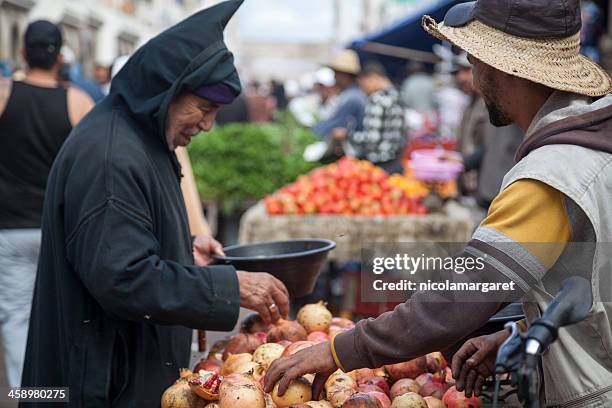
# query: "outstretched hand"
[474,362]
[316,359]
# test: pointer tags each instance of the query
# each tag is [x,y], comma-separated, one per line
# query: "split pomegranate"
[403,386]
[361,400]
[315,317]
[298,392]
[377,381]
[455,399]
[297,346]
[409,400]
[242,343]
[408,369]
[267,353]
[206,385]
[433,402]
[286,330]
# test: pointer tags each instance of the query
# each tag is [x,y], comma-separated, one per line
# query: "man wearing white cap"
[552,218]
[350,108]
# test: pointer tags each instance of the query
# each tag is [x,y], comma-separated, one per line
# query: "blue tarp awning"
[406,33]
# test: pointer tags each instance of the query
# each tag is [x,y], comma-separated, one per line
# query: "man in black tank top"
[36,116]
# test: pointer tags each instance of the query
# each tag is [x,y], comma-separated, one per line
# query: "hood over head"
[186,57]
[573,119]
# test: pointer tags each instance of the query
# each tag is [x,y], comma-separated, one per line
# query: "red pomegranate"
[408,369]
[455,399]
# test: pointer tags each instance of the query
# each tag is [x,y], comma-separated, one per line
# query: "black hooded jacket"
[117,293]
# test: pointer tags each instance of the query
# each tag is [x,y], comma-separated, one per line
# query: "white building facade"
[97,31]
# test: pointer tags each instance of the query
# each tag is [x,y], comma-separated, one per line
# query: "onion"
[338,395]
[318,336]
[435,362]
[242,343]
[297,346]
[369,388]
[433,389]
[340,379]
[210,364]
[233,361]
[342,322]
[269,402]
[298,392]
[409,400]
[361,400]
[382,398]
[377,381]
[433,402]
[319,404]
[455,399]
[267,353]
[408,369]
[241,396]
[315,317]
[286,330]
[403,386]
[179,395]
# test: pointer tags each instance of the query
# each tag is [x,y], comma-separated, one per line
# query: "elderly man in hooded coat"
[121,283]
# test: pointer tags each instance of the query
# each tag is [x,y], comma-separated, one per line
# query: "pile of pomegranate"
[231,376]
[348,187]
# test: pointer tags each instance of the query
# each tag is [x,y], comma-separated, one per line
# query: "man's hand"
[263,293]
[316,359]
[339,134]
[204,246]
[475,361]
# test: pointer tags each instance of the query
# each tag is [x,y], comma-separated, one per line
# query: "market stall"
[351,232]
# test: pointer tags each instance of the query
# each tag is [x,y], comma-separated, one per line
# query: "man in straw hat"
[551,219]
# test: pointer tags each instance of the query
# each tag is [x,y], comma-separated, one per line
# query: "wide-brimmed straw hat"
[346,61]
[538,40]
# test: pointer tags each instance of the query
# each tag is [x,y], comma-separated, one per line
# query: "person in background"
[102,77]
[471,133]
[319,102]
[36,116]
[350,108]
[71,73]
[277,90]
[419,89]
[383,135]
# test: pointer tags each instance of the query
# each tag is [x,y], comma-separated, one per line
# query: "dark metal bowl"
[297,263]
